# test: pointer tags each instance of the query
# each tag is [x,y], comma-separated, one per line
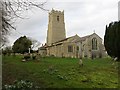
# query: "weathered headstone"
[80,62]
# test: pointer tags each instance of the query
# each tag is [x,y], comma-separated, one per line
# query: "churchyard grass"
[51,72]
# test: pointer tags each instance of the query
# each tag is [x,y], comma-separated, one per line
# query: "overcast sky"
[82,17]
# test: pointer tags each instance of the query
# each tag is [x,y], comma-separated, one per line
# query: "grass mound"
[51,72]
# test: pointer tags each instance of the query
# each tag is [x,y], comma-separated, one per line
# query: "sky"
[119,11]
[82,17]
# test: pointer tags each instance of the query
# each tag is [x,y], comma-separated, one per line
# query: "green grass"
[51,72]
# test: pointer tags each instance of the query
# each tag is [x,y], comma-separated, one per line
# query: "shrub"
[19,85]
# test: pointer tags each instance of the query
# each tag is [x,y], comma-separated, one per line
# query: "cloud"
[81,17]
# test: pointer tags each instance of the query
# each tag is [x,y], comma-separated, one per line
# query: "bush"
[19,85]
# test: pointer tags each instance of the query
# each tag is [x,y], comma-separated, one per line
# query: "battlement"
[56,12]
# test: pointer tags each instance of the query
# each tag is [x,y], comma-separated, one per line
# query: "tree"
[112,39]
[22,45]
[7,50]
[10,10]
[35,43]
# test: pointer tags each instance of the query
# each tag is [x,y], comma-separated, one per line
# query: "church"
[75,46]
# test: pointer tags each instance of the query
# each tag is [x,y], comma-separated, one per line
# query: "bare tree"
[10,10]
[35,43]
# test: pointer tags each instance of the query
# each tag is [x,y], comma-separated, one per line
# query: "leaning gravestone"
[26,57]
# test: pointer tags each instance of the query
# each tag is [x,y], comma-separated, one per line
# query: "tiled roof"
[63,39]
[85,37]
[78,40]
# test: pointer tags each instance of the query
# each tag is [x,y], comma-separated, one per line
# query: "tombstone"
[80,62]
[34,57]
[38,56]
[115,59]
[23,60]
[26,56]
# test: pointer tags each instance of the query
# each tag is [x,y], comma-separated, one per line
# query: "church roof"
[85,37]
[74,38]
[64,39]
[67,38]
[42,48]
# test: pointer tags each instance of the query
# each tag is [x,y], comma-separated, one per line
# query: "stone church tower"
[56,27]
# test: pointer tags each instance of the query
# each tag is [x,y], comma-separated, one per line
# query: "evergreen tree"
[22,45]
[112,39]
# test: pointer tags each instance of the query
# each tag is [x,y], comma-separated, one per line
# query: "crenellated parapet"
[56,12]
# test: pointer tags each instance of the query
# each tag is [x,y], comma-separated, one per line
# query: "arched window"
[70,48]
[77,48]
[57,18]
[94,44]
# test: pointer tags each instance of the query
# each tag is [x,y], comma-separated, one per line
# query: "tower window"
[57,18]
